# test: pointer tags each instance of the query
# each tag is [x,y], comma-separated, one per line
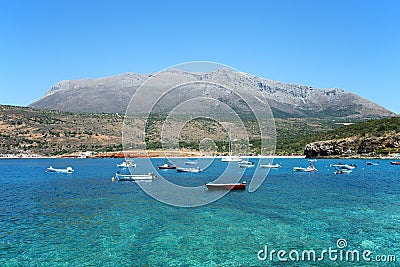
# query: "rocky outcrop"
[354,146]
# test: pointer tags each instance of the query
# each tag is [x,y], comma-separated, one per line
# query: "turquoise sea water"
[85,219]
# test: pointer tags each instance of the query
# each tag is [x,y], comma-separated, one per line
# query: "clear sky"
[349,44]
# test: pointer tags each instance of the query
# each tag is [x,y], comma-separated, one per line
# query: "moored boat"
[231,158]
[310,168]
[231,186]
[270,165]
[373,163]
[135,177]
[126,164]
[246,164]
[344,166]
[342,171]
[395,162]
[188,169]
[190,162]
[66,170]
[301,169]
[166,166]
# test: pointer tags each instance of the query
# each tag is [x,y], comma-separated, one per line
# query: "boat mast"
[230,145]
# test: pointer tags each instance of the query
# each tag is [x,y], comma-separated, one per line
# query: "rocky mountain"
[113,94]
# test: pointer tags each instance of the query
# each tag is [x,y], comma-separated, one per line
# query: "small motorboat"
[395,162]
[188,169]
[126,164]
[166,166]
[66,170]
[135,177]
[372,163]
[190,162]
[344,166]
[301,169]
[246,164]
[270,166]
[233,186]
[310,168]
[342,171]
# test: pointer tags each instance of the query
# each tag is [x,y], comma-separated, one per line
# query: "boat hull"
[343,171]
[241,186]
[299,169]
[166,167]
[272,166]
[344,166]
[135,177]
[194,170]
[246,166]
[54,170]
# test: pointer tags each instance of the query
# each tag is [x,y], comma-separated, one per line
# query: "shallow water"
[85,219]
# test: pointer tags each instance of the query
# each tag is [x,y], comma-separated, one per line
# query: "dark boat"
[166,166]
[233,186]
[395,162]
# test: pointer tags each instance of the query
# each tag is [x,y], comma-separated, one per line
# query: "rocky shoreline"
[386,146]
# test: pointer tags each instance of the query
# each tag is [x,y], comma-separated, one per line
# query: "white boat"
[135,177]
[270,165]
[188,169]
[301,169]
[230,158]
[344,166]
[310,168]
[246,164]
[190,162]
[126,164]
[66,170]
[342,171]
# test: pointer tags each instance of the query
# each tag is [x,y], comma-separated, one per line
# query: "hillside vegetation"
[46,132]
[26,130]
[370,138]
[367,128]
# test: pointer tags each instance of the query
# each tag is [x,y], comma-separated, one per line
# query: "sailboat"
[230,157]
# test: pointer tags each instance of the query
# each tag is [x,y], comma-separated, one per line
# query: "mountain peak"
[113,93]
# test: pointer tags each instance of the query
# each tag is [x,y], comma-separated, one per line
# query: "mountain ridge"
[112,94]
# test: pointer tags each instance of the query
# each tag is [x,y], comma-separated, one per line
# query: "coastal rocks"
[354,146]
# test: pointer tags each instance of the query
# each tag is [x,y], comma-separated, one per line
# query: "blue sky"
[349,44]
